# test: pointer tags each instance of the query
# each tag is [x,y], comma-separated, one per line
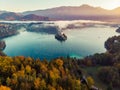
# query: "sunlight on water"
[80,43]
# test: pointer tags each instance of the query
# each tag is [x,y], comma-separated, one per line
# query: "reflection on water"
[80,43]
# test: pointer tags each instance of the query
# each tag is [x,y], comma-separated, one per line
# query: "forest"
[63,73]
[20,73]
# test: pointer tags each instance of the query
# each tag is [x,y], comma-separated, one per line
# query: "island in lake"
[61,36]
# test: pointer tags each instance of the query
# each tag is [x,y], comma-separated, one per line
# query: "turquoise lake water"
[80,43]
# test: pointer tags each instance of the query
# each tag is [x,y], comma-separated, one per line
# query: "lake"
[81,42]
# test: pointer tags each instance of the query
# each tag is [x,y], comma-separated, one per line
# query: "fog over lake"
[80,42]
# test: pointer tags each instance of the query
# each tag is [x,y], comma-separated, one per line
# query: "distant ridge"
[34,17]
[75,12]
[84,11]
[15,16]
[10,16]
[1,11]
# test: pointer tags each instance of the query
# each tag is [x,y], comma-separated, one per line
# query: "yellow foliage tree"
[43,67]
[14,79]
[13,69]
[51,88]
[59,62]
[21,57]
[21,73]
[22,67]
[77,85]
[43,84]
[29,59]
[28,69]
[8,81]
[4,88]
[37,83]
[90,81]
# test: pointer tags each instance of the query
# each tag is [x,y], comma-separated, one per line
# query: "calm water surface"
[80,43]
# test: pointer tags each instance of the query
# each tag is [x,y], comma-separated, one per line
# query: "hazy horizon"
[26,5]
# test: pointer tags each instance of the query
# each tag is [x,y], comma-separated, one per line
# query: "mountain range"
[67,13]
[15,16]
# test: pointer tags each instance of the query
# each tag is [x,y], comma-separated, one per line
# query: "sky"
[29,5]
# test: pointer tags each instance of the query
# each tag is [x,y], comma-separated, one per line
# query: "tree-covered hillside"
[20,73]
